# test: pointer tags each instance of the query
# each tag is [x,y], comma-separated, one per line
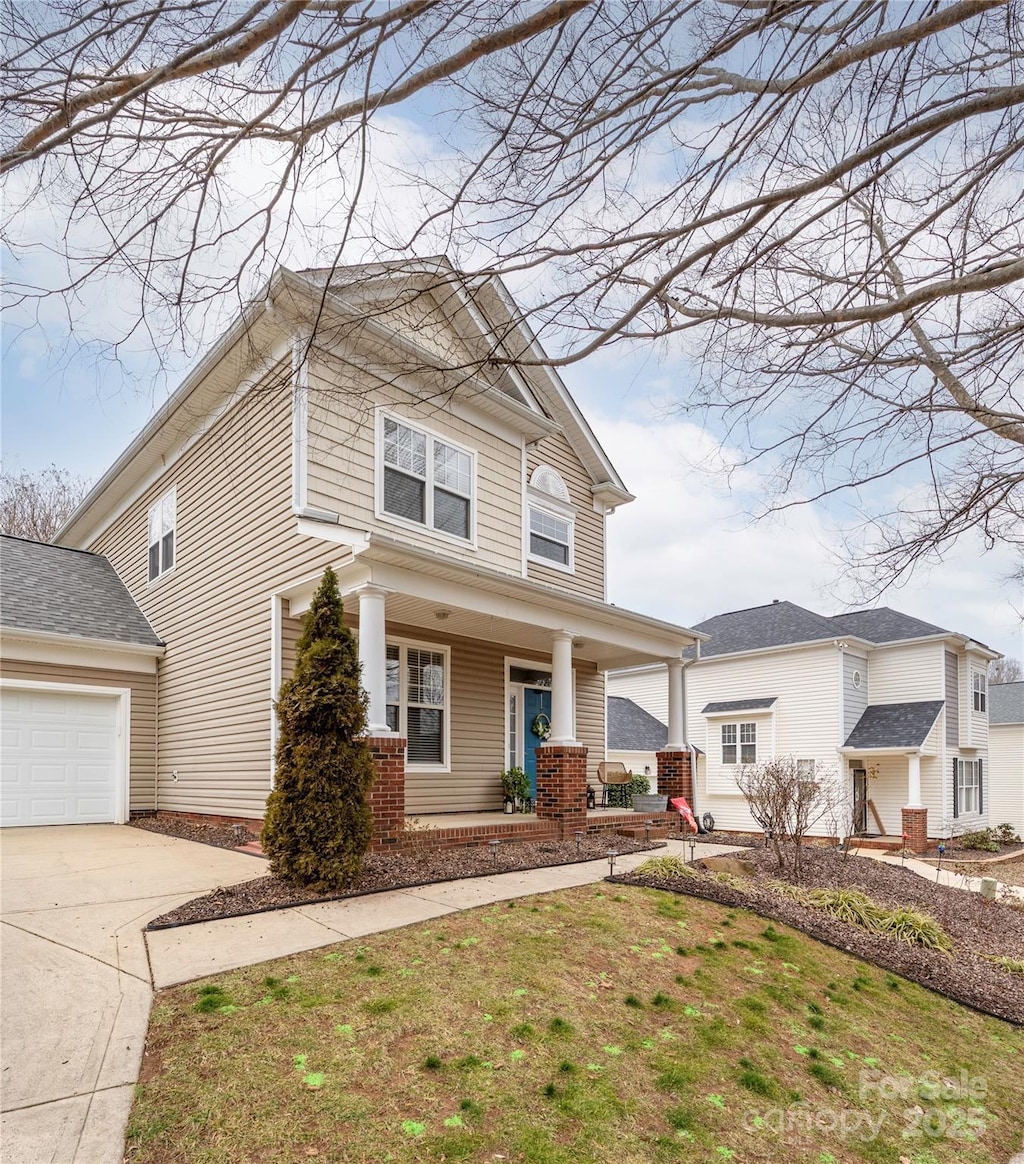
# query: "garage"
[62,761]
[78,690]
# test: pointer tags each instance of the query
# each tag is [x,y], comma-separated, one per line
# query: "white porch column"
[372,656]
[914,780]
[561,688]
[676,741]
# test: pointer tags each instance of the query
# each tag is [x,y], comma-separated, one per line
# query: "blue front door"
[534,703]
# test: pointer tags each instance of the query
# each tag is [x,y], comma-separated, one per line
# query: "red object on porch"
[684,810]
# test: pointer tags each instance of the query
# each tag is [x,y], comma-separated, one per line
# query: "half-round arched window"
[549,481]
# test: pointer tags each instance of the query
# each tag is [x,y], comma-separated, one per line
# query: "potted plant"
[640,795]
[515,785]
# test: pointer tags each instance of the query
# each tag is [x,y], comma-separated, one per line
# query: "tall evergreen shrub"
[318,824]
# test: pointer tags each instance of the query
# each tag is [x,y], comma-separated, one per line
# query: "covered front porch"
[891,754]
[469,671]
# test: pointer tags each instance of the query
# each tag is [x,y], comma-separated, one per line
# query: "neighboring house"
[897,708]
[635,736]
[461,501]
[78,697]
[1006,754]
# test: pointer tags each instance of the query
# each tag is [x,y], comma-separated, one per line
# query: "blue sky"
[75,391]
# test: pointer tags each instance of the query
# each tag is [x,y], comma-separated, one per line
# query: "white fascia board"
[756,651]
[918,751]
[331,531]
[73,651]
[520,416]
[601,469]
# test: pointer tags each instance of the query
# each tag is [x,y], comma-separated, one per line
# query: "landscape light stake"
[647,831]
[693,846]
[494,851]
[239,831]
[612,854]
[579,839]
[938,868]
[903,853]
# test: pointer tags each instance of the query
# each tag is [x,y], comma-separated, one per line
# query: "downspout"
[690,747]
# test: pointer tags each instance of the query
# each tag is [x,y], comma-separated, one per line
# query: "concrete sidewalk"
[79,972]
[941,876]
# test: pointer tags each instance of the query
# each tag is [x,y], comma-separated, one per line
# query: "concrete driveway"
[76,980]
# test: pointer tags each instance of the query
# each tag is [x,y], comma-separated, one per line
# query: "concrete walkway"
[942,876]
[78,971]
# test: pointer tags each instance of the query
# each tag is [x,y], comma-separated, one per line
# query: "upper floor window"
[550,519]
[162,518]
[417,701]
[426,480]
[979,690]
[739,743]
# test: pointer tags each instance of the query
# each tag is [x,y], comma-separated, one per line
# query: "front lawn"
[597,1024]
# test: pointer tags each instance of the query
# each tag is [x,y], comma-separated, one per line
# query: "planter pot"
[649,803]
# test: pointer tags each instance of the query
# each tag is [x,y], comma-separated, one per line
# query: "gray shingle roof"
[67,592]
[1006,702]
[739,705]
[895,725]
[780,623]
[632,729]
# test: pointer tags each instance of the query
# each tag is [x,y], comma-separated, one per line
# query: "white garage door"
[60,757]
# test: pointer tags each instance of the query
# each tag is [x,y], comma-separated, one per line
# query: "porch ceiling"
[485,605]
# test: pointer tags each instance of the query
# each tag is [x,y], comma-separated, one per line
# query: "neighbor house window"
[739,741]
[550,519]
[805,769]
[426,480]
[979,690]
[968,786]
[161,534]
[417,700]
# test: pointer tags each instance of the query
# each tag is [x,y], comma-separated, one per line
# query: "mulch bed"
[221,836]
[975,926]
[397,871]
[955,853]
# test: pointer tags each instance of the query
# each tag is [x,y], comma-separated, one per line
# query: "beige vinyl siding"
[907,673]
[477,706]
[142,768]
[1004,783]
[804,722]
[855,698]
[588,548]
[648,688]
[341,461]
[235,544]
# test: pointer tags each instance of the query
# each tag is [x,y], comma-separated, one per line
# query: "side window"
[162,519]
[728,743]
[979,690]
[426,480]
[551,519]
[748,743]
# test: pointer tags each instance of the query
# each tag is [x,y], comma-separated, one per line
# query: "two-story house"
[892,707]
[368,419]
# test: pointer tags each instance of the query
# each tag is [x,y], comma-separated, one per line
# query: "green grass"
[517,1036]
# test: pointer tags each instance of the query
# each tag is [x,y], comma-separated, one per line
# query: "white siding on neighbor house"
[1005,783]
[342,465]
[907,673]
[952,696]
[855,697]
[804,722]
[636,762]
[648,688]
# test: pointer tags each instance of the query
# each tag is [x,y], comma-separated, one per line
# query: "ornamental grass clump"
[849,905]
[666,867]
[914,927]
[318,824]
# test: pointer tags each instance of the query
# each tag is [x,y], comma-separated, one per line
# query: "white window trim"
[979,686]
[426,529]
[551,507]
[172,492]
[403,698]
[738,724]
[962,812]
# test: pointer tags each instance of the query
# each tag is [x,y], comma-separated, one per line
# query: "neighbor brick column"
[387,796]
[562,786]
[915,829]
[674,776]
